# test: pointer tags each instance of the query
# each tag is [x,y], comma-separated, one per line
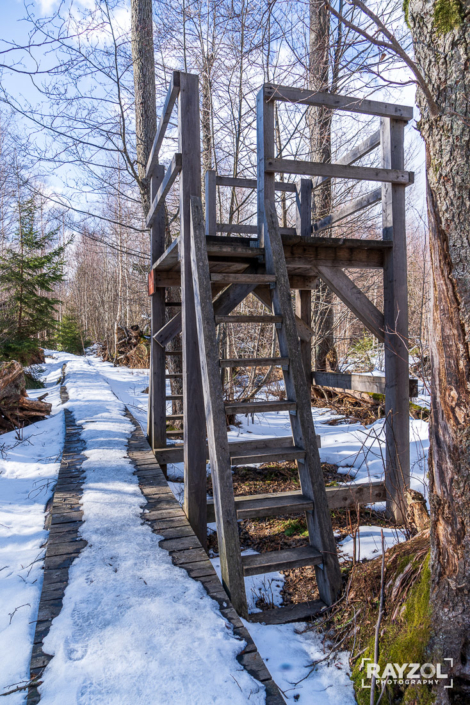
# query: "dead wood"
[16,408]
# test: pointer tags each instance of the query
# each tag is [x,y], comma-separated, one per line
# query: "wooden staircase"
[217,269]
[321,551]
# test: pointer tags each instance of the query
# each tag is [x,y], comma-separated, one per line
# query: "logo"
[406,673]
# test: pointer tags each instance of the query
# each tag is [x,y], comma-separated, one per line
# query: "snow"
[28,469]
[369,542]
[132,623]
[289,653]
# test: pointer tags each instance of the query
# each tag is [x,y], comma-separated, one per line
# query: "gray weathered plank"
[334,101]
[340,171]
[397,465]
[310,471]
[259,407]
[193,402]
[156,423]
[369,199]
[170,101]
[350,294]
[210,197]
[165,186]
[286,559]
[229,547]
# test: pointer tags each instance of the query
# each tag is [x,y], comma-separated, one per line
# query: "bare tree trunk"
[443,57]
[144,88]
[320,149]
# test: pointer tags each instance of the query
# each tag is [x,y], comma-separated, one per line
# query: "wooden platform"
[234,254]
[166,517]
[64,542]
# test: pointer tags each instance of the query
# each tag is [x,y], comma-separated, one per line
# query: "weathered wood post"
[210,194]
[265,145]
[303,297]
[194,422]
[397,469]
[156,426]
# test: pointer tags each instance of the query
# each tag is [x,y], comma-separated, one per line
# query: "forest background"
[68,159]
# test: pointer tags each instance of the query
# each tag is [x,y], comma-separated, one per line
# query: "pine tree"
[29,270]
[69,336]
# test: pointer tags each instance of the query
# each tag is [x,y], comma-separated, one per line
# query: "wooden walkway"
[166,518]
[64,542]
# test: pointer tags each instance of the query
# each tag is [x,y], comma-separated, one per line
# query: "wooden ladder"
[321,551]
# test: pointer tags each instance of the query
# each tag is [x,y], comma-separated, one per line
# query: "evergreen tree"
[29,270]
[69,336]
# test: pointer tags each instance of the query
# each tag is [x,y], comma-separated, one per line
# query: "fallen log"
[16,408]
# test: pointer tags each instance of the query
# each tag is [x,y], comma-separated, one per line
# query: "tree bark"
[144,89]
[320,148]
[444,58]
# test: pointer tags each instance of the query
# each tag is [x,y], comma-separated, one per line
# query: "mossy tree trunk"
[441,34]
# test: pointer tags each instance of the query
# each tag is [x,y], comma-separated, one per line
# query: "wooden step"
[229,278]
[266,455]
[286,559]
[174,434]
[291,613]
[248,319]
[254,362]
[176,375]
[172,303]
[267,505]
[175,453]
[174,417]
[174,397]
[344,497]
[259,407]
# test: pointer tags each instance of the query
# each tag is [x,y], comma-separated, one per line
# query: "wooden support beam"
[170,101]
[397,467]
[210,196]
[265,153]
[303,297]
[169,259]
[236,182]
[372,384]
[170,176]
[359,204]
[229,546]
[193,401]
[164,279]
[351,104]
[242,278]
[223,305]
[355,299]
[362,149]
[156,428]
[334,252]
[303,430]
[247,319]
[339,171]
[247,229]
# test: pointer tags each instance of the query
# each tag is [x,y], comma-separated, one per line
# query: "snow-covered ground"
[132,623]
[29,463]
